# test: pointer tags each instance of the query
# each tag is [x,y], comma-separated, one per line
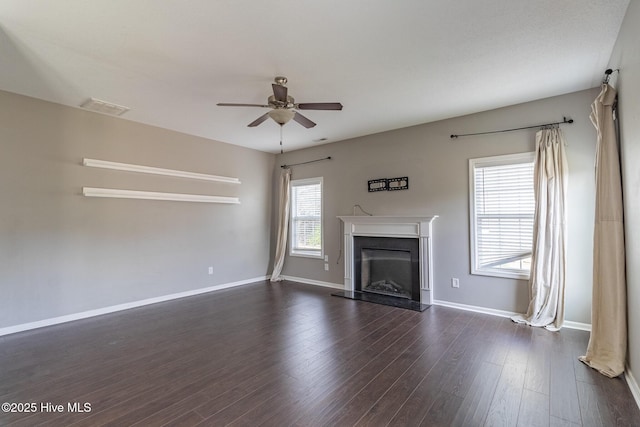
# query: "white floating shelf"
[151,195]
[157,171]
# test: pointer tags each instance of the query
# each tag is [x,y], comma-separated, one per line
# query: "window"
[502,208]
[306,218]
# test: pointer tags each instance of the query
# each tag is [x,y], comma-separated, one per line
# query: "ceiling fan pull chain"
[281,152]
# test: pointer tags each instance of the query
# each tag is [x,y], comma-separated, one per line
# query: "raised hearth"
[382,299]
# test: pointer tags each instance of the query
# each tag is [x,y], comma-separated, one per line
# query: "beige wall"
[437,168]
[626,57]
[62,253]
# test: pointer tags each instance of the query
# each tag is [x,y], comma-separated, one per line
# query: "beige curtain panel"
[608,342]
[283,225]
[549,252]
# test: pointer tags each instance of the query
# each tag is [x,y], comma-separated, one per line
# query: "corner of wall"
[633,385]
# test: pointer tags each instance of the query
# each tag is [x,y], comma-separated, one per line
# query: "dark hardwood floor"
[292,355]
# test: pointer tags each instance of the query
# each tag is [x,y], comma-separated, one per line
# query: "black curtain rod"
[304,163]
[564,121]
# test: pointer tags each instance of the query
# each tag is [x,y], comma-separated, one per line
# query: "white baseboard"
[474,308]
[502,313]
[633,385]
[126,306]
[314,282]
[577,325]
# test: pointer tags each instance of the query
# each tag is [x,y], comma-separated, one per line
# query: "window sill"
[501,274]
[302,254]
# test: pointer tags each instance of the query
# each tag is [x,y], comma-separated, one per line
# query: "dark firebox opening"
[388,266]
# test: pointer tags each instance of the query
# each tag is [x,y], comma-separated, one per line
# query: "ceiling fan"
[283,107]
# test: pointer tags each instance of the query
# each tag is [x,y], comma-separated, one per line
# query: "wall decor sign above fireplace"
[377,185]
[394,184]
[388,184]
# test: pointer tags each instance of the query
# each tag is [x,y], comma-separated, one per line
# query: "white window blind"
[502,211]
[306,217]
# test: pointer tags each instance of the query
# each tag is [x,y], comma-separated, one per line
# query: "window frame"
[508,159]
[293,251]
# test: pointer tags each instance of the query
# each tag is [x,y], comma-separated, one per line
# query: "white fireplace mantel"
[418,227]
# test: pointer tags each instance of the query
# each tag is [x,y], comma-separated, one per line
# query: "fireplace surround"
[385,230]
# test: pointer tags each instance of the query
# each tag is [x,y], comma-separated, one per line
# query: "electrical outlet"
[455,282]
[326,258]
[326,266]
[210,270]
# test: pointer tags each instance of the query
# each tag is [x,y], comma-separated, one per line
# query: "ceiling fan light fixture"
[281,115]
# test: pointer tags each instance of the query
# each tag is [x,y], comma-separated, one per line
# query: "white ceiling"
[391,64]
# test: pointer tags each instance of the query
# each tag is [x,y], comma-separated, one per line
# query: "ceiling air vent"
[93,104]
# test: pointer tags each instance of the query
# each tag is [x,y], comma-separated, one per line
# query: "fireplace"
[388,260]
[387,266]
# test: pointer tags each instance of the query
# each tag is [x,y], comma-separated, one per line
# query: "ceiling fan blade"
[227,104]
[259,120]
[319,106]
[303,120]
[279,92]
